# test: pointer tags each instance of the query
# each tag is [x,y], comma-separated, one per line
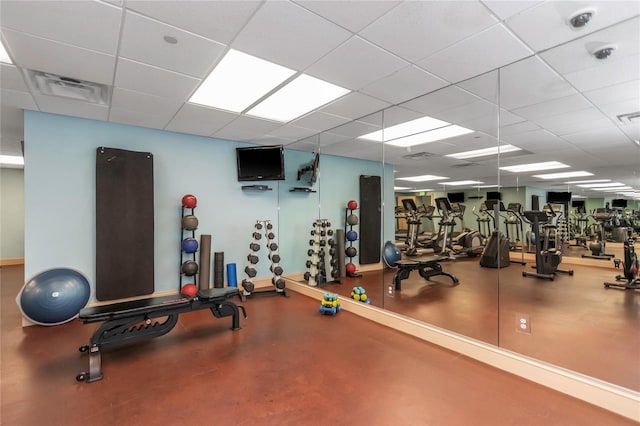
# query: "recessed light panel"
[303,94]
[422,178]
[11,160]
[238,81]
[573,182]
[534,167]
[502,149]
[400,188]
[4,56]
[615,189]
[430,136]
[601,185]
[462,182]
[408,128]
[563,175]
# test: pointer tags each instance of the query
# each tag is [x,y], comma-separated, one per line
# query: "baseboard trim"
[617,399]
[10,261]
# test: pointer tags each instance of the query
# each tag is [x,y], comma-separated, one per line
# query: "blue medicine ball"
[352,236]
[190,245]
[54,296]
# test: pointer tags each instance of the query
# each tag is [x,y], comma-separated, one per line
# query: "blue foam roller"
[232,278]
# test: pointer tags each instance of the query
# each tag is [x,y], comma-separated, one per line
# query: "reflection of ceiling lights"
[421,190]
[484,152]
[487,186]
[422,178]
[601,185]
[400,188]
[534,167]
[573,182]
[4,56]
[11,160]
[563,175]
[461,182]
[616,189]
[416,132]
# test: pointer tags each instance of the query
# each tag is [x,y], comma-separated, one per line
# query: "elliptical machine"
[414,217]
[547,259]
[598,248]
[630,267]
[496,250]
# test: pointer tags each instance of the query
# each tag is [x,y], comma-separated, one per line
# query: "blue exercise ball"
[54,296]
[391,254]
[352,235]
[190,245]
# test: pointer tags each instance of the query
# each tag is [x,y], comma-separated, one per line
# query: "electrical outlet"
[523,323]
[391,290]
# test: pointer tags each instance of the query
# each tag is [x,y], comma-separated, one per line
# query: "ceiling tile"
[289,35]
[143,41]
[630,106]
[542,84]
[537,141]
[302,146]
[320,121]
[355,105]
[546,25]
[16,99]
[485,86]
[489,123]
[485,51]
[246,128]
[602,139]
[40,54]
[289,131]
[199,120]
[404,84]
[270,140]
[613,71]
[89,24]
[506,8]
[468,112]
[217,20]
[352,15]
[137,118]
[553,107]
[73,108]
[392,116]
[11,78]
[355,64]
[144,78]
[151,105]
[353,130]
[436,24]
[441,100]
[618,92]
[573,121]
[519,127]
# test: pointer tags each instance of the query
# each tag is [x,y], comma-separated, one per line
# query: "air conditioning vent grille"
[70,88]
[418,155]
[632,117]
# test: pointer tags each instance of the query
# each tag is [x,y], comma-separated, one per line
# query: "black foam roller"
[218,269]
[205,261]
[340,248]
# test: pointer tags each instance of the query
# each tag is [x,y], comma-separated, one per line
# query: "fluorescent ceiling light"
[578,196]
[4,56]
[430,136]
[412,127]
[399,188]
[461,182]
[303,94]
[422,190]
[616,189]
[487,186]
[563,175]
[588,181]
[238,81]
[502,149]
[601,185]
[422,178]
[534,167]
[11,160]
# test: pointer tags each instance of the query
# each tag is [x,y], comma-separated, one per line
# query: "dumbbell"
[279,283]
[276,270]
[254,247]
[274,257]
[258,226]
[269,225]
[329,232]
[251,272]
[253,259]
[257,235]
[271,235]
[248,285]
[310,252]
[307,275]
[273,247]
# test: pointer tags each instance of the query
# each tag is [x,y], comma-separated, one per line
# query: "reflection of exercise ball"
[54,296]
[391,254]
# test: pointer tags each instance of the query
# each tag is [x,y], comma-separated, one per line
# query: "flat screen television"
[455,197]
[577,203]
[494,195]
[558,197]
[619,202]
[256,163]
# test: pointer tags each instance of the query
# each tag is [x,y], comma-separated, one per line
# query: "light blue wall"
[11,213]
[60,196]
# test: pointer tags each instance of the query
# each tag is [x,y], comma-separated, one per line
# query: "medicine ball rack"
[184,256]
[350,221]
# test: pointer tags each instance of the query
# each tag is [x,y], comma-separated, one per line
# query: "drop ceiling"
[408,58]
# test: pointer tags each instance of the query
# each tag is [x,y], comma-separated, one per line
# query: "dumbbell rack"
[322,264]
[350,249]
[186,257]
[253,258]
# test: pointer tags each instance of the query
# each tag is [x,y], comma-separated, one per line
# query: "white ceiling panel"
[485,86]
[199,120]
[542,84]
[546,25]
[632,130]
[289,35]
[441,100]
[40,54]
[537,141]
[217,20]
[615,93]
[16,99]
[246,128]
[147,104]
[144,78]
[517,128]
[90,24]
[137,118]
[468,112]
[354,129]
[270,140]
[602,139]
[574,121]
[11,78]
[609,73]
[354,149]
[506,8]
[490,49]
[302,146]
[289,131]
[436,24]
[352,15]
[143,41]
[355,64]
[613,110]
[405,84]
[355,105]
[320,121]
[489,123]
[73,108]
[553,107]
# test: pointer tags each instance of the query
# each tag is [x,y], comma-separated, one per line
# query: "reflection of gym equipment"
[129,322]
[496,250]
[484,221]
[630,266]
[581,224]
[351,220]
[252,258]
[602,216]
[513,224]
[426,267]
[547,259]
[467,243]
[323,255]
[414,215]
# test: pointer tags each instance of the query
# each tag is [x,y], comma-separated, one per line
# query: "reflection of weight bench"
[129,322]
[427,268]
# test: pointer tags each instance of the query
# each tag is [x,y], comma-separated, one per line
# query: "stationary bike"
[547,259]
[630,267]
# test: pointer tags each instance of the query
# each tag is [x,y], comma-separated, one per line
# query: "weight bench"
[426,267]
[128,322]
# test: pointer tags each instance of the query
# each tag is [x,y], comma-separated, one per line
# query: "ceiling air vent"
[632,117]
[418,156]
[70,88]
[464,165]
